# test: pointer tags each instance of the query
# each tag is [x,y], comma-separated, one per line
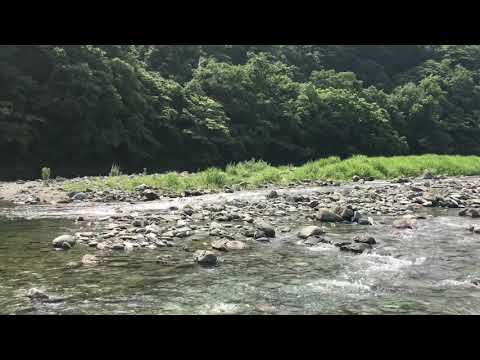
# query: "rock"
[326,215]
[428,175]
[258,234]
[356,248]
[365,239]
[151,237]
[153,229]
[142,187]
[118,246]
[37,294]
[138,223]
[263,239]
[150,195]
[225,245]
[80,218]
[313,204]
[73,265]
[356,216]
[308,231]
[88,259]
[355,178]
[79,196]
[64,241]
[365,221]
[188,210]
[469,212]
[265,228]
[205,257]
[313,241]
[404,223]
[272,195]
[220,245]
[347,213]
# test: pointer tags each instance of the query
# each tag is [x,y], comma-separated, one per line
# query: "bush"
[46,173]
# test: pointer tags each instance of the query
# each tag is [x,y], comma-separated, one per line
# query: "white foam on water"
[332,284]
[323,247]
[420,260]
[219,308]
[382,263]
[455,283]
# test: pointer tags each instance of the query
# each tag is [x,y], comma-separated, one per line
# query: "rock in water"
[355,178]
[64,241]
[365,239]
[265,228]
[328,216]
[272,194]
[225,245]
[406,222]
[308,231]
[205,257]
[356,248]
[89,259]
[37,294]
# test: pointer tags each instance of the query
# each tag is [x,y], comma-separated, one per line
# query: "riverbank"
[348,240]
[247,175]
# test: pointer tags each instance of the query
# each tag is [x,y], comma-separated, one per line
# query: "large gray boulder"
[308,231]
[265,228]
[205,257]
[64,241]
[326,215]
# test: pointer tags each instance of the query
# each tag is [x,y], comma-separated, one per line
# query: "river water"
[423,271]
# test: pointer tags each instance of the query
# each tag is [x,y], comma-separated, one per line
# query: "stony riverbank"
[207,230]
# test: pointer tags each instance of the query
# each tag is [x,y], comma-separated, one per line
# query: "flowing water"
[422,271]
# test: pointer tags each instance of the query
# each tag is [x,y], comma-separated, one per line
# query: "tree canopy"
[80,108]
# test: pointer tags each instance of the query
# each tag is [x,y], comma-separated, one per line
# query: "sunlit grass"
[257,172]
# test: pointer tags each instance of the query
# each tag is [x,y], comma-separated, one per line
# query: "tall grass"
[256,172]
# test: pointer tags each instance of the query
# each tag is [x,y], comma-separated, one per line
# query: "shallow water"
[421,271]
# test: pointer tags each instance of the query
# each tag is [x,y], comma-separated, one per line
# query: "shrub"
[46,173]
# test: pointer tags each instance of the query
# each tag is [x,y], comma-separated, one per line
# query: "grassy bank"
[251,173]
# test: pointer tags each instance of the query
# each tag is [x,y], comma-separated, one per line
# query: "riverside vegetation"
[78,108]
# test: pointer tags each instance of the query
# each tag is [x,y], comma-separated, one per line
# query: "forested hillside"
[78,109]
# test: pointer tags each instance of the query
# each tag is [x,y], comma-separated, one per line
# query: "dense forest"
[80,108]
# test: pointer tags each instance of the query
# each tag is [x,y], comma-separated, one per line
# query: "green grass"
[256,172]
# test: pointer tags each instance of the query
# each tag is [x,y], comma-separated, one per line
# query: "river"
[426,270]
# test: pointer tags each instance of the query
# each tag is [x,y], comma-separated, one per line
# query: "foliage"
[46,173]
[189,107]
[255,172]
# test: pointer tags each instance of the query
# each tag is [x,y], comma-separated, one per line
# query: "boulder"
[37,294]
[150,195]
[205,257]
[79,196]
[364,239]
[265,228]
[64,241]
[308,231]
[272,195]
[406,222]
[356,248]
[326,215]
[88,259]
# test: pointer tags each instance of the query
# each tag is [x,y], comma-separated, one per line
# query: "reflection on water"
[423,271]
